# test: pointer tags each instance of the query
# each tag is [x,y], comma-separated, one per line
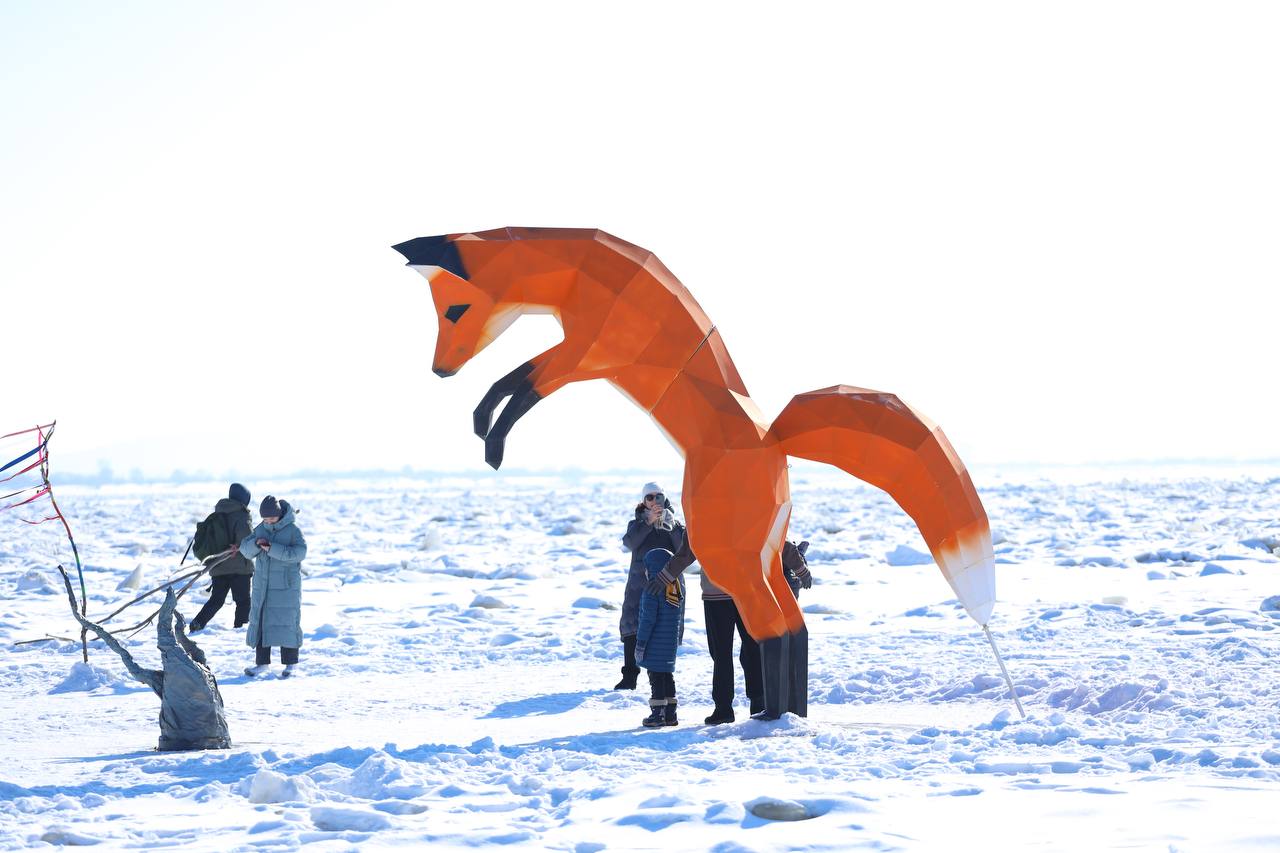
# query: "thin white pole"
[1007,679]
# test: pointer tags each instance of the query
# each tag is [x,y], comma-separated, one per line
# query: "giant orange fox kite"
[628,320]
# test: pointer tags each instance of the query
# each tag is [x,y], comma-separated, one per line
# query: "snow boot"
[256,670]
[669,718]
[719,716]
[288,670]
[630,672]
[657,716]
[195,626]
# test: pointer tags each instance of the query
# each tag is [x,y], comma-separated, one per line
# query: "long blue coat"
[275,604]
[659,632]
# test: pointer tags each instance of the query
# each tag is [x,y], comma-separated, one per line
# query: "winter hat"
[656,559]
[270,508]
[652,489]
[239,493]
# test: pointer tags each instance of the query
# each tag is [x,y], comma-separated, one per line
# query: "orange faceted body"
[629,321]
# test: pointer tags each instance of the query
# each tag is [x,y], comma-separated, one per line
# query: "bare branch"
[151,677]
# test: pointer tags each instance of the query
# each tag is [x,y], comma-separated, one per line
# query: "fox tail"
[882,441]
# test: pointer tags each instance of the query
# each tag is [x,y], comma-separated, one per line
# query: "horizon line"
[178,475]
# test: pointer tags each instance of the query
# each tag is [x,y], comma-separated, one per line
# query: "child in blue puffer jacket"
[661,612]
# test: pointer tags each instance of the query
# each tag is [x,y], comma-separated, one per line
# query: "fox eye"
[455,312]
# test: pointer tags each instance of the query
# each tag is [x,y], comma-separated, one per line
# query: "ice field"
[461,643]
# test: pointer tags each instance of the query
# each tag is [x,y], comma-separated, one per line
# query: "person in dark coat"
[654,526]
[658,636]
[232,572]
[275,611]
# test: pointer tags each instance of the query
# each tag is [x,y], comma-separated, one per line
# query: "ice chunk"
[133,582]
[768,808]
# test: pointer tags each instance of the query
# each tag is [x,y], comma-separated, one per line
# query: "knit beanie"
[652,489]
[239,493]
[270,508]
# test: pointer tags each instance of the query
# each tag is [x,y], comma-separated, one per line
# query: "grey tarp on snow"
[191,711]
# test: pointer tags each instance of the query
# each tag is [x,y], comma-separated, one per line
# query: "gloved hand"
[658,586]
[640,650]
[793,560]
[804,576]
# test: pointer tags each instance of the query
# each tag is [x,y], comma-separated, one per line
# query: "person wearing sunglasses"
[654,526]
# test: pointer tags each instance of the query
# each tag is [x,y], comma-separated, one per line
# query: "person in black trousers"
[232,572]
[722,618]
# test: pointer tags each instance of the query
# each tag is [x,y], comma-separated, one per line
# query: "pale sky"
[1050,227]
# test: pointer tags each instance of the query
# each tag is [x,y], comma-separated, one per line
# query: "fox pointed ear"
[433,252]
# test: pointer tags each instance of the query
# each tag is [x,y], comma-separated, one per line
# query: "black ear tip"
[437,251]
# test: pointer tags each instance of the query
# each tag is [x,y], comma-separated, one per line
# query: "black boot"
[630,672]
[657,717]
[720,715]
[670,717]
[775,666]
[757,704]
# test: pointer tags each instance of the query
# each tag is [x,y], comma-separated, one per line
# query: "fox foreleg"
[508,385]
[517,385]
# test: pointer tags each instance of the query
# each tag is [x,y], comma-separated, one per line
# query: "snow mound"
[35,581]
[324,632]
[906,556]
[594,603]
[268,786]
[333,819]
[1272,603]
[85,677]
[430,540]
[382,777]
[62,837]
[488,602]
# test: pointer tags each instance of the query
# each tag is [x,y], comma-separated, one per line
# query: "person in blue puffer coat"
[661,612]
[275,605]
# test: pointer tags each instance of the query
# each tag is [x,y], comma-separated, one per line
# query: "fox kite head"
[481,282]
[468,312]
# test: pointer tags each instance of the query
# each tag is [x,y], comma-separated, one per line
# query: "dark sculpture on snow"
[191,715]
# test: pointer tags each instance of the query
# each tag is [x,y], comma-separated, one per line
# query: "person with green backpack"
[217,543]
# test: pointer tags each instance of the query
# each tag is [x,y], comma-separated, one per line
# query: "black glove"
[805,577]
[658,586]
[793,560]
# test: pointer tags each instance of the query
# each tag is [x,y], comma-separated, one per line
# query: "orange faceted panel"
[627,319]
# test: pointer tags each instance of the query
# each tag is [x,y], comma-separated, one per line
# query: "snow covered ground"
[462,640]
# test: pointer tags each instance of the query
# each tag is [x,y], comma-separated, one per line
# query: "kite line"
[23,470]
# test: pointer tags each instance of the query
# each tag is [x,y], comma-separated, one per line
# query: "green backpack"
[212,536]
